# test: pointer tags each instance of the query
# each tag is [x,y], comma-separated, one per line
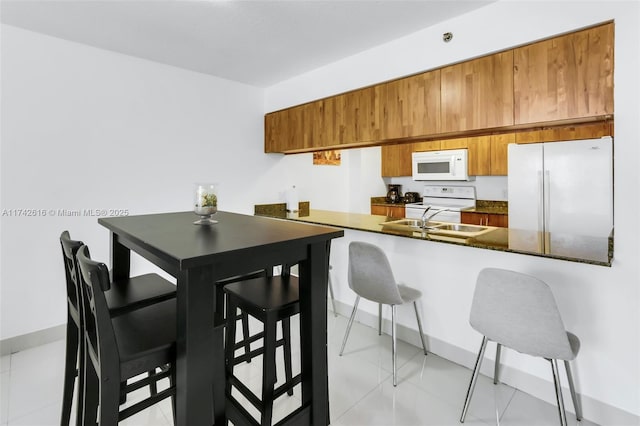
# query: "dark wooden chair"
[119,348]
[269,299]
[123,296]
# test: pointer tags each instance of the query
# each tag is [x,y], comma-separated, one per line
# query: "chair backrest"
[519,311]
[99,335]
[370,274]
[69,249]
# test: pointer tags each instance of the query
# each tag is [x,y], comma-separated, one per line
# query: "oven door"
[440,165]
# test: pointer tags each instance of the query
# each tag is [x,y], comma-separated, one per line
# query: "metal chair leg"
[474,378]
[394,347]
[351,318]
[333,299]
[424,346]
[379,319]
[559,400]
[574,396]
[496,369]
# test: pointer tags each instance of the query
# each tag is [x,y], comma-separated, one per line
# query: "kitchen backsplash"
[487,187]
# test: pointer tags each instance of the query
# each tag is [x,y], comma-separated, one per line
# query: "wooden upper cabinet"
[284,130]
[477,94]
[361,116]
[500,153]
[488,154]
[565,77]
[411,106]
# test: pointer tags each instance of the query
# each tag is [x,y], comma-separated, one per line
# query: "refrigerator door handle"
[541,235]
[547,211]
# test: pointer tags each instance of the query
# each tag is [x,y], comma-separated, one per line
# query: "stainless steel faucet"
[426,221]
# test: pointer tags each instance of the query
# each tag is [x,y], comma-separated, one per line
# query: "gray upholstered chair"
[519,312]
[370,276]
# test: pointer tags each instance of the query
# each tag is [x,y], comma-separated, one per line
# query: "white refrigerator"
[561,190]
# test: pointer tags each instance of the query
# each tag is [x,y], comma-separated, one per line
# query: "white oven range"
[443,202]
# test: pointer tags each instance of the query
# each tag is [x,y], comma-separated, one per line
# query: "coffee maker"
[393,194]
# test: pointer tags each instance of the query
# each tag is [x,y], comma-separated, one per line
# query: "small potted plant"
[206,203]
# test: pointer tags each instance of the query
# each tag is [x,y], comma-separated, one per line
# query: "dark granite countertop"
[490,207]
[575,248]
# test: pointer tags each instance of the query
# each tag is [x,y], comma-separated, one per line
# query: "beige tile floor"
[430,389]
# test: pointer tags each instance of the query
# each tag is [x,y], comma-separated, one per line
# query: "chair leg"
[91,394]
[71,369]
[230,340]
[574,396]
[268,370]
[496,369]
[424,345]
[379,319]
[394,347]
[172,383]
[244,318]
[286,349]
[474,378]
[559,400]
[333,299]
[349,324]
[109,403]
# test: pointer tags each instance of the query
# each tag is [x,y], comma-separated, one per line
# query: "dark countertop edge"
[487,210]
[468,244]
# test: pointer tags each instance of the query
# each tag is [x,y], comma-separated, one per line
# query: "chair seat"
[146,338]
[132,293]
[266,293]
[409,294]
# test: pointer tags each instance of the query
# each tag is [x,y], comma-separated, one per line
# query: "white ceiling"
[259,42]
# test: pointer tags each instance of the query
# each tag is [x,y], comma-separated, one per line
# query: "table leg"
[120,259]
[313,331]
[197,356]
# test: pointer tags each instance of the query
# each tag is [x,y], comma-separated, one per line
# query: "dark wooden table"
[198,256]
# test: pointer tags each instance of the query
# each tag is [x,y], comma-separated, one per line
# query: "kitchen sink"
[459,227]
[459,230]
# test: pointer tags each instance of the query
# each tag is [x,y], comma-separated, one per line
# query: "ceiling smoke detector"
[446,37]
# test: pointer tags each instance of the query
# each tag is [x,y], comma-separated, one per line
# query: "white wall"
[84,128]
[599,304]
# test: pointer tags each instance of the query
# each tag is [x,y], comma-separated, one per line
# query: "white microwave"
[440,165]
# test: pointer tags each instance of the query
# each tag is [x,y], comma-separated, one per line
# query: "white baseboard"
[30,340]
[593,410]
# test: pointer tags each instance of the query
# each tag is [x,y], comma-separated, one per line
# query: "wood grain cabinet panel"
[565,77]
[389,211]
[566,133]
[479,155]
[477,94]
[284,130]
[361,116]
[411,106]
[500,153]
[396,159]
[485,219]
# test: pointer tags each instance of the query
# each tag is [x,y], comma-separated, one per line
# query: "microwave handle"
[452,165]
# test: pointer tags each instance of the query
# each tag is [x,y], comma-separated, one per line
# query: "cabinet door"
[396,160]
[478,94]
[500,220]
[479,155]
[379,210]
[499,154]
[471,218]
[485,219]
[411,106]
[565,77]
[361,116]
[284,130]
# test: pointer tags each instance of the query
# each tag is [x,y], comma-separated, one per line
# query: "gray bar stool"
[370,276]
[519,312]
